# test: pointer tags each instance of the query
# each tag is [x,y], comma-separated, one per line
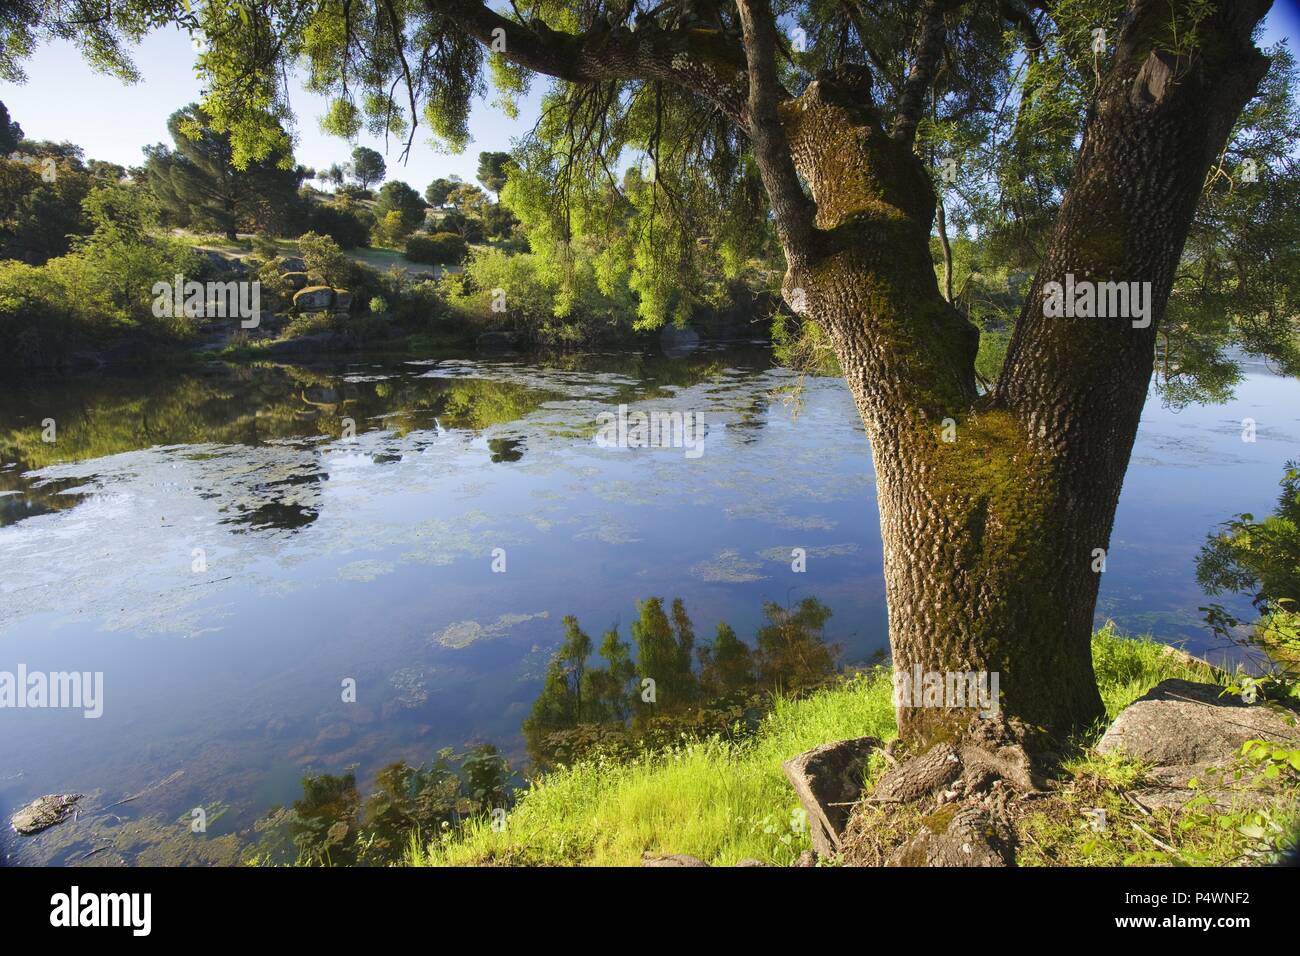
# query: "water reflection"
[227,546]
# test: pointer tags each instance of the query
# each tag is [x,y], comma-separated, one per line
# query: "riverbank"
[726,802]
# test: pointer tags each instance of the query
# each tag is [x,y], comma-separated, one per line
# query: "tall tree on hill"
[367,166]
[196,183]
[11,133]
[492,170]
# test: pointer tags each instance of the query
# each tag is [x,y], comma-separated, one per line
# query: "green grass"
[720,801]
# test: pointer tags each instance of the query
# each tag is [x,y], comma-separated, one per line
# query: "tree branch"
[929,46]
[792,208]
[708,62]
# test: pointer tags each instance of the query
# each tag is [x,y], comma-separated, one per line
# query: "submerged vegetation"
[719,793]
[725,800]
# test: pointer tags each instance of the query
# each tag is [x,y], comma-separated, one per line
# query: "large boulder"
[1190,730]
[221,265]
[314,298]
[670,859]
[296,280]
[44,812]
[342,301]
[828,782]
[291,264]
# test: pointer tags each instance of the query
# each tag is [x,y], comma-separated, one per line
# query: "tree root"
[954,804]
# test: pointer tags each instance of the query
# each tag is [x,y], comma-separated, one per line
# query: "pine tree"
[196,183]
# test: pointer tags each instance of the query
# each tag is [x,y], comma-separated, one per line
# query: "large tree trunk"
[993,542]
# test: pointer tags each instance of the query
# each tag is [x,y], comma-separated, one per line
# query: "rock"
[1190,660]
[806,859]
[314,298]
[1183,724]
[296,280]
[828,781]
[1187,730]
[44,812]
[309,344]
[222,265]
[752,862]
[958,835]
[342,300]
[290,264]
[670,859]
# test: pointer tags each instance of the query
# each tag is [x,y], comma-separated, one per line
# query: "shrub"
[324,259]
[442,248]
[390,230]
[347,224]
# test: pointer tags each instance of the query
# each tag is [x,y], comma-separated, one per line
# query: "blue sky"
[64,100]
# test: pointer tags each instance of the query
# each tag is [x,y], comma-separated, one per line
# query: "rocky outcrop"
[314,298]
[44,812]
[1188,730]
[670,859]
[828,781]
[296,280]
[290,264]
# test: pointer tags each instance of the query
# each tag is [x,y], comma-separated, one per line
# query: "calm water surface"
[227,557]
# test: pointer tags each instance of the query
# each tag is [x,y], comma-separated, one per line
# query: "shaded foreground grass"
[724,802]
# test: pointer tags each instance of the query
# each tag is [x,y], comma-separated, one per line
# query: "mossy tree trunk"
[990,539]
[996,510]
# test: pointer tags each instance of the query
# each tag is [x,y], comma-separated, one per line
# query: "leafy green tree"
[727,665]
[11,133]
[396,196]
[664,651]
[1260,559]
[197,183]
[493,169]
[611,688]
[367,166]
[441,248]
[792,651]
[560,703]
[437,191]
[41,206]
[123,254]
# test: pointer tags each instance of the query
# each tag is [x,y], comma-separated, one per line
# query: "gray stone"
[1181,724]
[44,812]
[297,280]
[291,264]
[828,781]
[314,298]
[1187,731]
[748,861]
[342,300]
[670,859]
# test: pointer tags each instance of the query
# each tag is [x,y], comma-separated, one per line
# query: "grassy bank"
[724,802]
